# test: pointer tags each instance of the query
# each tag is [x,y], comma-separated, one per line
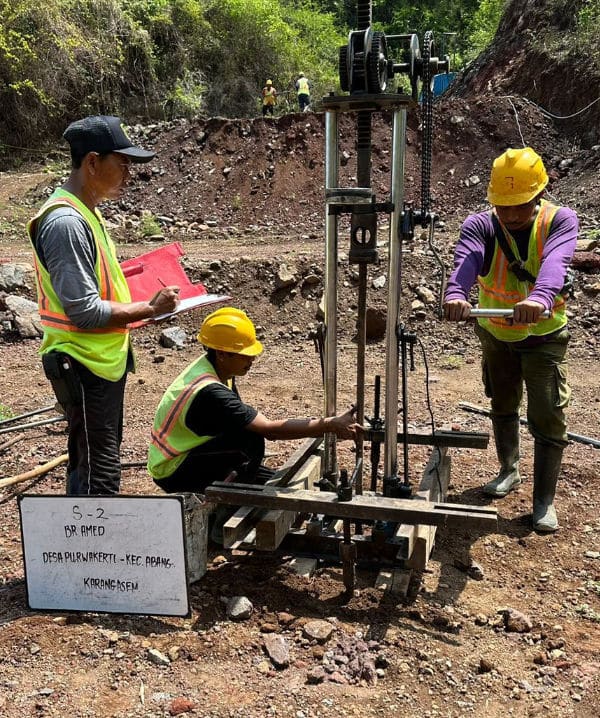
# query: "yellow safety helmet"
[230,330]
[517,177]
[269,82]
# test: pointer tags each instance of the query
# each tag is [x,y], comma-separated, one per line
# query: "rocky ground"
[500,624]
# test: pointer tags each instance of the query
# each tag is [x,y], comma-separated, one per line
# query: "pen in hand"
[174,288]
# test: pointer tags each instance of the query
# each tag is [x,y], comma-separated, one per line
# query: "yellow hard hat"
[517,177]
[269,82]
[230,330]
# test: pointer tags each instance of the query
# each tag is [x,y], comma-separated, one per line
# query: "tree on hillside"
[152,59]
[538,53]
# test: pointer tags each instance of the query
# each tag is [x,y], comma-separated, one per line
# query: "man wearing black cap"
[84,302]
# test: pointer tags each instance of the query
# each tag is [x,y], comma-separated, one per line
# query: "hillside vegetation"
[149,60]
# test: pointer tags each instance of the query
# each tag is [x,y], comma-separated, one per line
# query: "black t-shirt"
[218,410]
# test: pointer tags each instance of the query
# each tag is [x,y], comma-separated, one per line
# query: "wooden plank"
[238,525]
[433,487]
[295,461]
[436,477]
[405,536]
[361,507]
[423,545]
[272,527]
[275,524]
[245,517]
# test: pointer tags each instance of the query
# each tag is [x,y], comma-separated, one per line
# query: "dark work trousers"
[241,451]
[95,432]
[303,101]
[543,370]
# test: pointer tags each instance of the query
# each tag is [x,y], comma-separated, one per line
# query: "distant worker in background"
[84,301]
[269,98]
[203,431]
[519,254]
[303,90]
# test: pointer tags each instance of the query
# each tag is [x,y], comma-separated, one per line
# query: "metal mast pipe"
[363,173]
[393,303]
[331,254]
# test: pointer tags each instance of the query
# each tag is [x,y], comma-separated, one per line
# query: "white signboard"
[114,554]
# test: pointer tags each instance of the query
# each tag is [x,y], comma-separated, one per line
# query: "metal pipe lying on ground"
[43,410]
[31,424]
[474,409]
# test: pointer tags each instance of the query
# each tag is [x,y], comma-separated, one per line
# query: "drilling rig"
[391,519]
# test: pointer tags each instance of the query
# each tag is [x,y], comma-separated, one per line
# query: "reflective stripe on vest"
[103,350]
[500,288]
[303,86]
[171,438]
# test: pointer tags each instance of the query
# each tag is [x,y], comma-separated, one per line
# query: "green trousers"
[543,371]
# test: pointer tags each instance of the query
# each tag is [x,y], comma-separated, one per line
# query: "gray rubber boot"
[506,436]
[546,469]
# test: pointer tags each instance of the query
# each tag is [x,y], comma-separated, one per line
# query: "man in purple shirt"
[519,253]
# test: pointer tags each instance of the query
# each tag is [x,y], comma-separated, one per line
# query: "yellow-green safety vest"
[102,350]
[501,289]
[171,438]
[303,86]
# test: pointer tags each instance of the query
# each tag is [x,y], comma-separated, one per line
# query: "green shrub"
[149,225]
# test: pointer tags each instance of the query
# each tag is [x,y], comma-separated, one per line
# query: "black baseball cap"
[103,134]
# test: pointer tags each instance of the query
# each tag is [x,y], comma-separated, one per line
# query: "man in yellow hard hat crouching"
[203,431]
[519,253]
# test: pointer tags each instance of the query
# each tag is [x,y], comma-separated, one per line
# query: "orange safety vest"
[269,94]
[501,289]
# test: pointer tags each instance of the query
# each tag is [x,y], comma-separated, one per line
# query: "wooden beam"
[236,527]
[361,507]
[274,525]
[433,488]
[436,477]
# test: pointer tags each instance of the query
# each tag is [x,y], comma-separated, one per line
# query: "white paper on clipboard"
[192,303]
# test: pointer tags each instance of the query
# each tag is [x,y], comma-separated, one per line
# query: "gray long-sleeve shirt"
[66,247]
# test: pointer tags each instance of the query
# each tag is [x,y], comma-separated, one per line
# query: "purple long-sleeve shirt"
[477,231]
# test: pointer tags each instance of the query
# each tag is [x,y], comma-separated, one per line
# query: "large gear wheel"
[377,65]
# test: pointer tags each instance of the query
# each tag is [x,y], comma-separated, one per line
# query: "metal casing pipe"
[390,460]
[331,256]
